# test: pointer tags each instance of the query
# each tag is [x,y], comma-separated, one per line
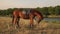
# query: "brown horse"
[31,14]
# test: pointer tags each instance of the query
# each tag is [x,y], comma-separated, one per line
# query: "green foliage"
[45,10]
[51,10]
[57,10]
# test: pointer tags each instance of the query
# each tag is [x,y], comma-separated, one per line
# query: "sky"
[5,4]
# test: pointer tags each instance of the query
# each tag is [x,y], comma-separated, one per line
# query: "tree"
[51,10]
[57,10]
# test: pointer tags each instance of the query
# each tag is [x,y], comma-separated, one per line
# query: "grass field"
[44,27]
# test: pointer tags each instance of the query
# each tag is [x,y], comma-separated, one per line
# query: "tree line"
[45,11]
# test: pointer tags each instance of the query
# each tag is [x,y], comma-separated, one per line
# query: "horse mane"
[34,10]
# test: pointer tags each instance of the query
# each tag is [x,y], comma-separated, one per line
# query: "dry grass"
[43,28]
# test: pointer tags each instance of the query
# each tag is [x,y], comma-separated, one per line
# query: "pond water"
[52,19]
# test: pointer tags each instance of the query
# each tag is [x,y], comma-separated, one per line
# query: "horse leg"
[18,21]
[31,20]
[15,20]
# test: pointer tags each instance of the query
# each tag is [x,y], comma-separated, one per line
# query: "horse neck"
[37,13]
